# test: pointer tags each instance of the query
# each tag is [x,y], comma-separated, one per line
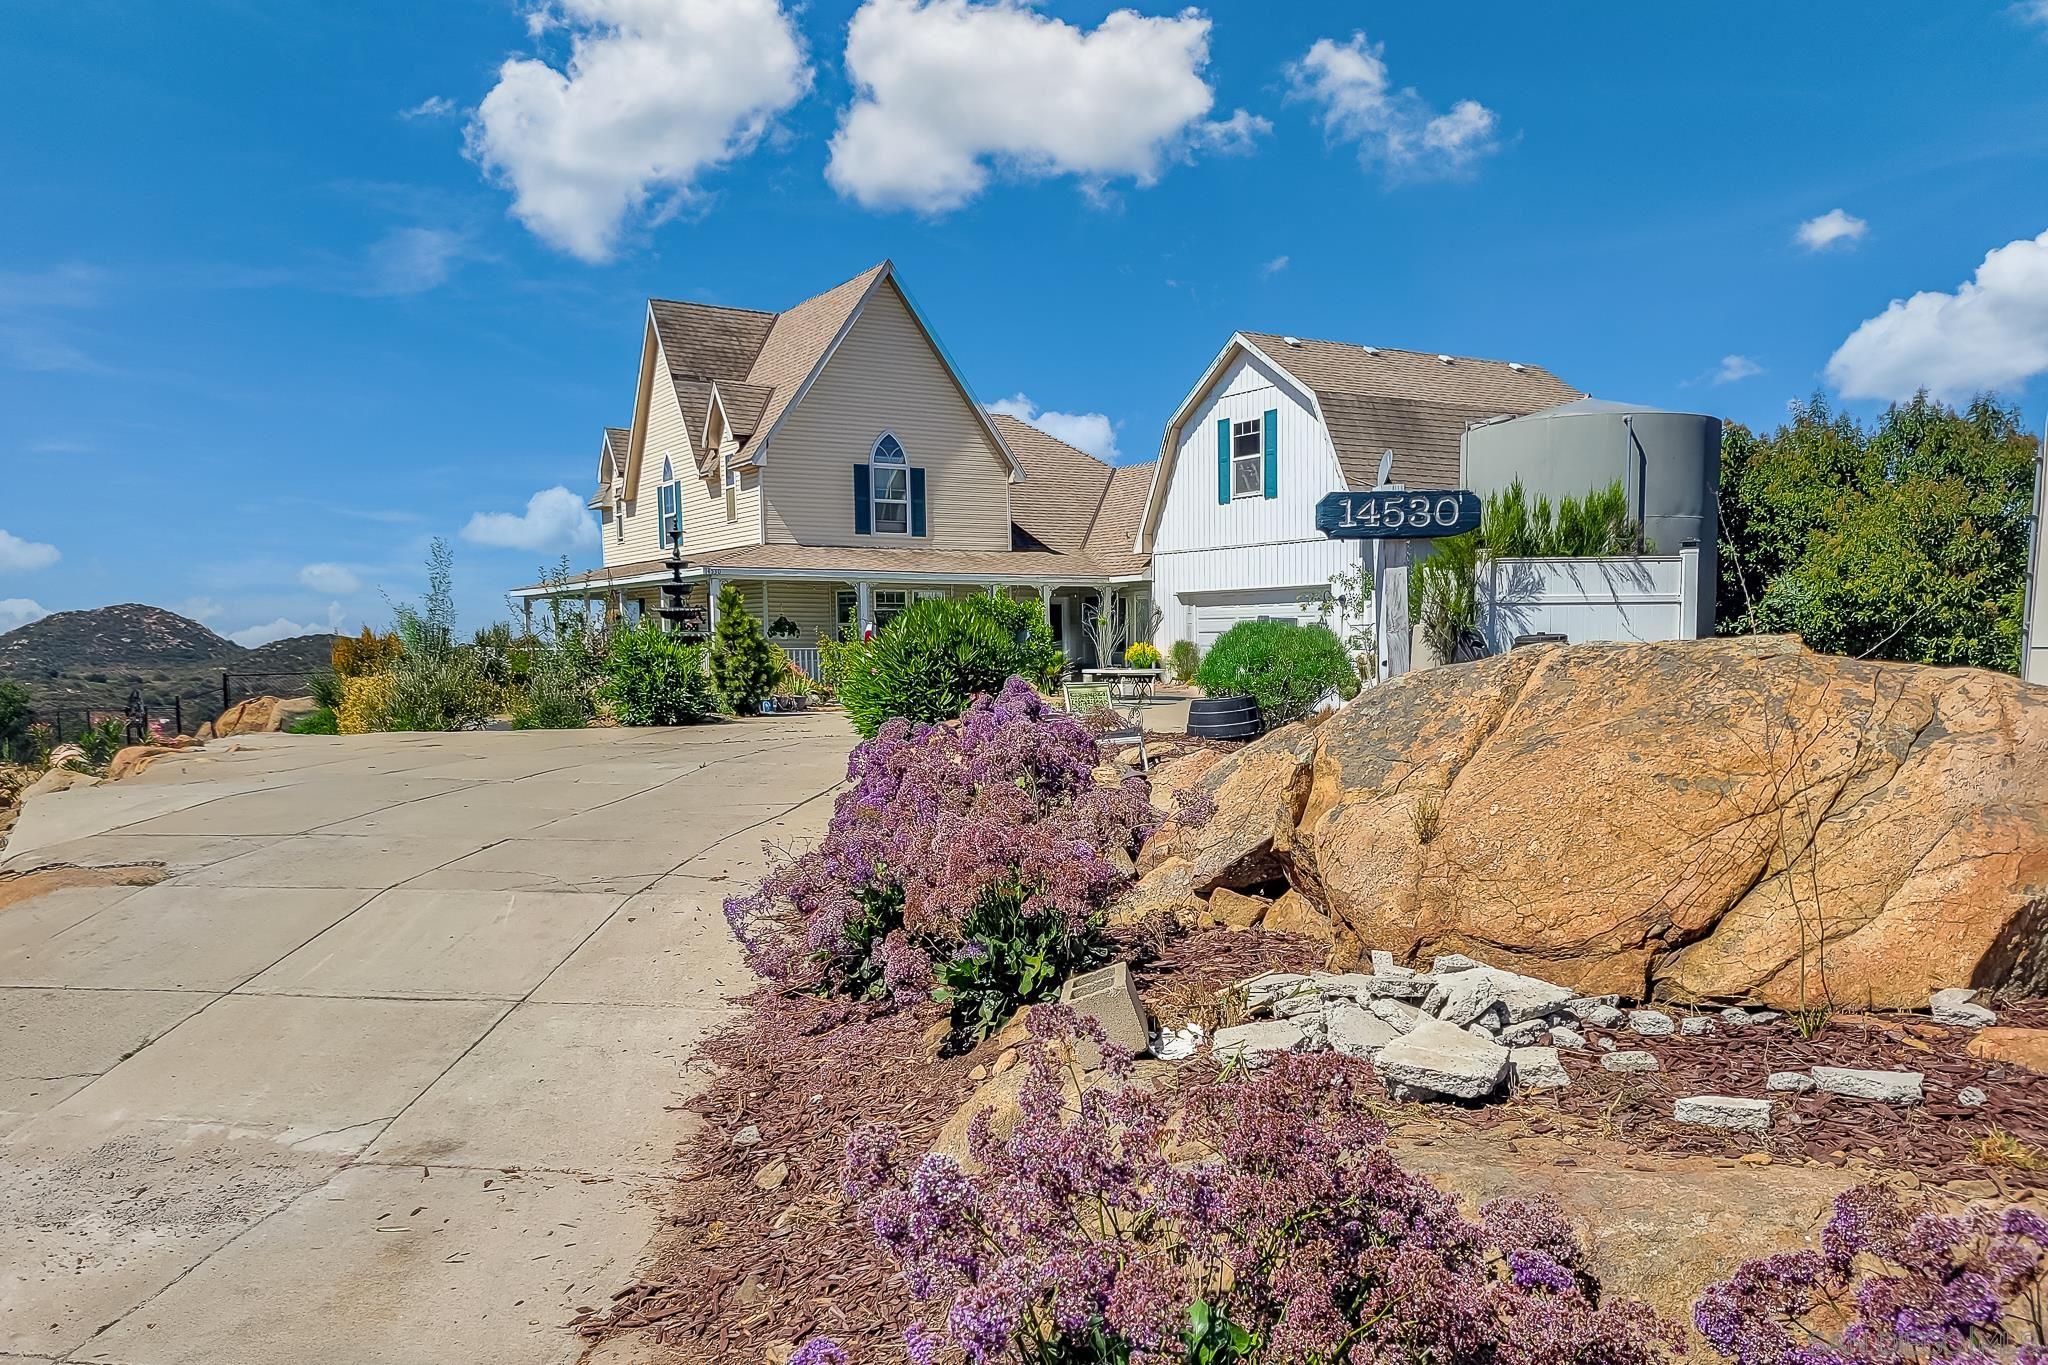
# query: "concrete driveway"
[385,1070]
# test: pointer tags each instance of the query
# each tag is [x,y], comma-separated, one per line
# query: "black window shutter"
[863,503]
[916,501]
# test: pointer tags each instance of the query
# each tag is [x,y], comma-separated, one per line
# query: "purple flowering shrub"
[973,858]
[1895,1280]
[1261,1220]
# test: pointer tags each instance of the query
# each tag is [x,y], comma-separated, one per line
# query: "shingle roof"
[792,348]
[1116,521]
[1074,504]
[1410,402]
[989,566]
[617,441]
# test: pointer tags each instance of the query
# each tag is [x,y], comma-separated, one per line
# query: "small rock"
[1724,1111]
[1578,1004]
[749,1136]
[1236,909]
[978,1075]
[1735,1016]
[1398,1013]
[1765,1016]
[1892,1087]
[1970,1097]
[1453,962]
[1651,1023]
[1754,1159]
[1629,1061]
[1958,1008]
[1695,1025]
[1604,1044]
[1383,964]
[1528,1033]
[1356,1031]
[1537,1068]
[1435,1057]
[1797,1081]
[772,1176]
[1253,1042]
[1176,1045]
[1560,1036]
[1594,1011]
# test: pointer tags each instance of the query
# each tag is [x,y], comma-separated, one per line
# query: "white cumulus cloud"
[433,106]
[950,92]
[20,556]
[1395,128]
[554,518]
[653,94]
[1991,333]
[283,628]
[1089,431]
[207,609]
[19,611]
[330,578]
[1734,368]
[1830,229]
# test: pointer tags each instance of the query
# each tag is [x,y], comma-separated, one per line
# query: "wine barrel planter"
[1224,718]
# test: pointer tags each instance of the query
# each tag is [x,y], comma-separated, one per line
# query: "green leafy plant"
[324,687]
[102,739]
[1007,958]
[743,667]
[433,682]
[1287,668]
[1142,655]
[1184,656]
[654,678]
[930,662]
[320,722]
[16,715]
[1444,588]
[555,675]
[1213,1339]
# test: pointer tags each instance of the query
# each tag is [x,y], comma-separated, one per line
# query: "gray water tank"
[1668,464]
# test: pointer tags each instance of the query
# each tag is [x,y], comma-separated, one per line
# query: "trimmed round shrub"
[654,678]
[1286,667]
[365,697]
[1186,656]
[932,661]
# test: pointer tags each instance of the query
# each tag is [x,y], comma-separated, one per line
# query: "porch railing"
[805,657]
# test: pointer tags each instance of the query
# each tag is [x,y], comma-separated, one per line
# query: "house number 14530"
[1397,514]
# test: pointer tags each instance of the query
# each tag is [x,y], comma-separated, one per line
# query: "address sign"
[1398,514]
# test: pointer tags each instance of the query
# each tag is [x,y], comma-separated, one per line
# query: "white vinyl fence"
[1650,597]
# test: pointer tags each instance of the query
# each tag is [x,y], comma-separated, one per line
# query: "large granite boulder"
[262,715]
[1714,820]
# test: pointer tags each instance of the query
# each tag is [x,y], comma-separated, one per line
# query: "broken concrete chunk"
[1595,1011]
[1695,1025]
[1453,962]
[1797,1081]
[1398,1013]
[1537,1068]
[1383,964]
[1958,1008]
[1560,1036]
[1890,1087]
[1252,1043]
[1765,1016]
[1440,1059]
[1462,998]
[1651,1023]
[1110,998]
[1356,1031]
[1411,987]
[1735,1016]
[1970,1097]
[1528,1033]
[1733,1113]
[1629,1061]
[1261,991]
[1297,1004]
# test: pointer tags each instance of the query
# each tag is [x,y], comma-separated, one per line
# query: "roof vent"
[1444,359]
[1517,366]
[1370,350]
[1292,341]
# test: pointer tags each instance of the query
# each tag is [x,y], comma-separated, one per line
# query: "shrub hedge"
[1286,667]
[930,662]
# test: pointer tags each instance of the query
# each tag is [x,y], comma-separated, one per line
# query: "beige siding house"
[831,462]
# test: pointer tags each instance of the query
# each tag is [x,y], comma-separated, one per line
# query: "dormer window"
[671,503]
[891,481]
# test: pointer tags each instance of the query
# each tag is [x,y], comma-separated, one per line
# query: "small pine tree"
[742,661]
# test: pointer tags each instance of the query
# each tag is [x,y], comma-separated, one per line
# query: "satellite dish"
[1386,467]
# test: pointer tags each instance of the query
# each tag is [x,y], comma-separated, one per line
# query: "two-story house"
[1276,422]
[831,461]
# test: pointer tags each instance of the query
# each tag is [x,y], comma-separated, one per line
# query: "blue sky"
[287,289]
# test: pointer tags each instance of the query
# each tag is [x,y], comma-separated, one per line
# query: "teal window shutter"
[863,503]
[1270,424]
[1223,461]
[916,501]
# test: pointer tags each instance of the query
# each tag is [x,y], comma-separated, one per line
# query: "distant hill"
[77,661]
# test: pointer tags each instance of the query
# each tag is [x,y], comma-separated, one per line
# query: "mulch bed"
[1934,1140]
[741,1270]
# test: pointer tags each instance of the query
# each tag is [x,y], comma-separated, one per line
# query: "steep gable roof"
[1071,503]
[611,460]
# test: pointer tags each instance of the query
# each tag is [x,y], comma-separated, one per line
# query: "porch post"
[1105,596]
[863,608]
[526,609]
[711,587]
[1045,601]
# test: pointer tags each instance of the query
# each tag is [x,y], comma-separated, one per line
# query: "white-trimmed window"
[846,611]
[1248,458]
[671,504]
[889,482]
[732,493]
[890,603]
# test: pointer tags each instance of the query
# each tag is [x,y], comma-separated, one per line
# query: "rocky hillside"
[76,661]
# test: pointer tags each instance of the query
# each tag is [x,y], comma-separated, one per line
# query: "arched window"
[890,482]
[671,504]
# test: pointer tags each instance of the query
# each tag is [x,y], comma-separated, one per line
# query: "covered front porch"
[798,608]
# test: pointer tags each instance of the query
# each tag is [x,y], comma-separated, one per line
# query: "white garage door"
[1216,612]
